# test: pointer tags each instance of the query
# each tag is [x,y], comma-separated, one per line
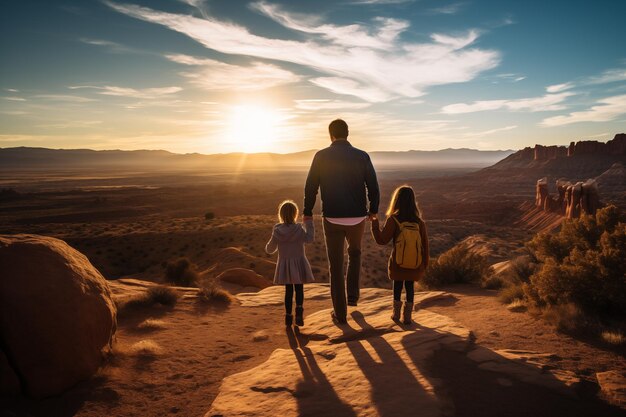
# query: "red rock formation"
[572,200]
[543,153]
[616,146]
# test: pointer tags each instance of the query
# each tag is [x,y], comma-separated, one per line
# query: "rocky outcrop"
[57,318]
[571,201]
[613,386]
[616,146]
[549,152]
[371,366]
[587,158]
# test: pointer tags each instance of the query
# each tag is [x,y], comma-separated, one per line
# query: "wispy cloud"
[144,93]
[607,109]
[216,75]
[385,30]
[514,78]
[64,97]
[381,1]
[325,104]
[488,132]
[559,87]
[609,76]
[452,8]
[353,63]
[547,102]
[14,98]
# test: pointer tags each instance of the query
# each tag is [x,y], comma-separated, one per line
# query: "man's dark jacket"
[344,174]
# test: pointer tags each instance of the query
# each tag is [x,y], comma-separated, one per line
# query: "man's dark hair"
[338,129]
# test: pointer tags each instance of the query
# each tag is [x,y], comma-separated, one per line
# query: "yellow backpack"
[408,245]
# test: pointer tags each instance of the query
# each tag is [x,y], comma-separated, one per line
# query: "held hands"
[306,218]
[372,217]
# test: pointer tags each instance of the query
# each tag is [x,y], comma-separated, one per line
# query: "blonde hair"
[287,212]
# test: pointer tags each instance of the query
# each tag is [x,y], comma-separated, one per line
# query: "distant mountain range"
[25,158]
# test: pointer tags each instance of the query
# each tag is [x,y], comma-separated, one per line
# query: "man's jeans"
[336,235]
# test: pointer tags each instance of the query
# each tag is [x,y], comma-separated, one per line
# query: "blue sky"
[217,76]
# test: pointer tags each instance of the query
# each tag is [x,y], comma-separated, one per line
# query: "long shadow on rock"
[395,389]
[314,383]
[473,391]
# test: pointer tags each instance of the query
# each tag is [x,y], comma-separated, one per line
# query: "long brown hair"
[287,212]
[403,205]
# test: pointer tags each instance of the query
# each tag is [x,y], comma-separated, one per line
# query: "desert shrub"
[209,215]
[613,338]
[457,265]
[521,269]
[516,306]
[511,293]
[492,282]
[160,295]
[210,291]
[181,272]
[583,265]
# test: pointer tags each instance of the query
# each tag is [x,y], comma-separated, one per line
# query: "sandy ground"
[177,369]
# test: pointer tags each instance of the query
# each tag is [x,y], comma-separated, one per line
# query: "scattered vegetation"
[613,338]
[210,292]
[146,348]
[181,272]
[457,265]
[152,324]
[583,264]
[516,306]
[576,278]
[159,295]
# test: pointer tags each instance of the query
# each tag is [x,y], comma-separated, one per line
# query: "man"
[345,175]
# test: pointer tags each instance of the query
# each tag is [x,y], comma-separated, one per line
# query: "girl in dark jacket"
[403,212]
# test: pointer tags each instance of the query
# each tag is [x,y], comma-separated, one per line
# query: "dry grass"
[517,306]
[159,295]
[211,292]
[613,338]
[162,295]
[511,293]
[146,348]
[152,324]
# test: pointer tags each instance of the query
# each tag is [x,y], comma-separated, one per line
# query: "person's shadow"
[314,393]
[395,391]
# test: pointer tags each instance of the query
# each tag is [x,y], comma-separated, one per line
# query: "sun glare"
[253,128]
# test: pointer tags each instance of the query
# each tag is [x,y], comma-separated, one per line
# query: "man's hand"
[371,217]
[306,218]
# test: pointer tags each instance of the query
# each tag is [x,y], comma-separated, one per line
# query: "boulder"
[244,277]
[57,318]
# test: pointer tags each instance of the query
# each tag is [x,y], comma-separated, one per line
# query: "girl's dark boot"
[299,318]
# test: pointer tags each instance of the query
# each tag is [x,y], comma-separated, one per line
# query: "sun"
[254,128]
